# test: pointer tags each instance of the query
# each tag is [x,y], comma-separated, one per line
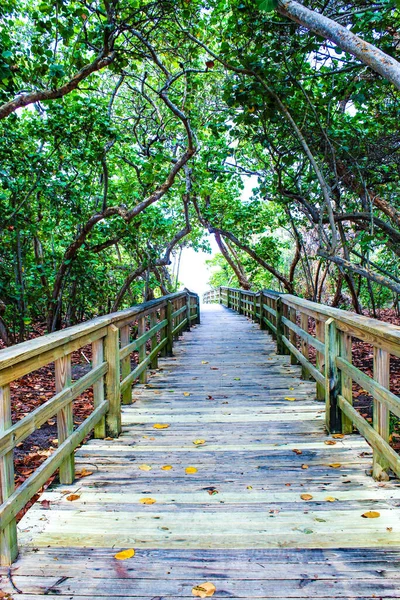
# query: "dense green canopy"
[130,127]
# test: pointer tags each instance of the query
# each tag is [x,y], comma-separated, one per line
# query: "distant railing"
[332,331]
[113,338]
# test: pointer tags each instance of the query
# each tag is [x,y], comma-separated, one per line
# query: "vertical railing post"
[346,382]
[280,346]
[254,308]
[197,321]
[381,412]
[163,332]
[227,298]
[188,312]
[305,350]
[154,342]
[126,364]
[113,393]
[98,386]
[240,308]
[8,534]
[293,336]
[263,314]
[320,358]
[170,337]
[333,417]
[65,417]
[220,295]
[142,349]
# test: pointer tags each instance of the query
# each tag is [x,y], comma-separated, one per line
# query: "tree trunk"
[380,62]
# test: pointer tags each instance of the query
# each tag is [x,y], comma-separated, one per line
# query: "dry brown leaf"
[329,442]
[306,497]
[296,451]
[124,554]
[83,473]
[145,467]
[304,466]
[338,436]
[161,426]
[73,497]
[335,465]
[204,590]
[186,393]
[190,470]
[147,501]
[371,514]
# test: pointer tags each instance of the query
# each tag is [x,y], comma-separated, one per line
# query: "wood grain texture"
[241,415]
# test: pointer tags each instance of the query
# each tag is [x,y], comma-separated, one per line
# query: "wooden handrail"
[287,318]
[155,323]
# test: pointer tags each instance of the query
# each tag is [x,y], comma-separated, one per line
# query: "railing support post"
[113,394]
[197,321]
[280,346]
[170,337]
[126,364]
[333,416]
[263,325]
[8,535]
[240,308]
[255,308]
[305,374]
[227,298]
[293,337]
[319,359]
[65,417]
[188,312]
[381,412]
[98,386]
[154,342]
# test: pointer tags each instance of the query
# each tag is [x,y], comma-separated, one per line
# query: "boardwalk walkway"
[228,510]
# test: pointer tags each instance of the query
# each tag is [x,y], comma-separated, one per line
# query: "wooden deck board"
[255,537]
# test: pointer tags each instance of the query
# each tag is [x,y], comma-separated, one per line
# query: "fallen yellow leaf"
[371,514]
[73,497]
[190,470]
[166,467]
[147,501]
[186,393]
[330,499]
[290,398]
[204,590]
[161,426]
[124,554]
[338,436]
[204,362]
[335,465]
[145,467]
[304,466]
[329,442]
[306,497]
[199,442]
[249,487]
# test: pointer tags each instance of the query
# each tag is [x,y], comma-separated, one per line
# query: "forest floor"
[34,389]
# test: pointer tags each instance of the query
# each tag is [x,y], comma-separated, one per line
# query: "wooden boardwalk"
[227,476]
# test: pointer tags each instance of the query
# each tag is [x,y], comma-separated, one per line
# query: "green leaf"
[267,5]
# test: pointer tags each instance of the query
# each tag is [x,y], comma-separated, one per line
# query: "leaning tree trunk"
[370,55]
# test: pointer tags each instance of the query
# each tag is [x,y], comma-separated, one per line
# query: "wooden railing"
[297,324]
[148,329]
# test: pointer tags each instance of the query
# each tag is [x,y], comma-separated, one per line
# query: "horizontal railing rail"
[299,324]
[149,329]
